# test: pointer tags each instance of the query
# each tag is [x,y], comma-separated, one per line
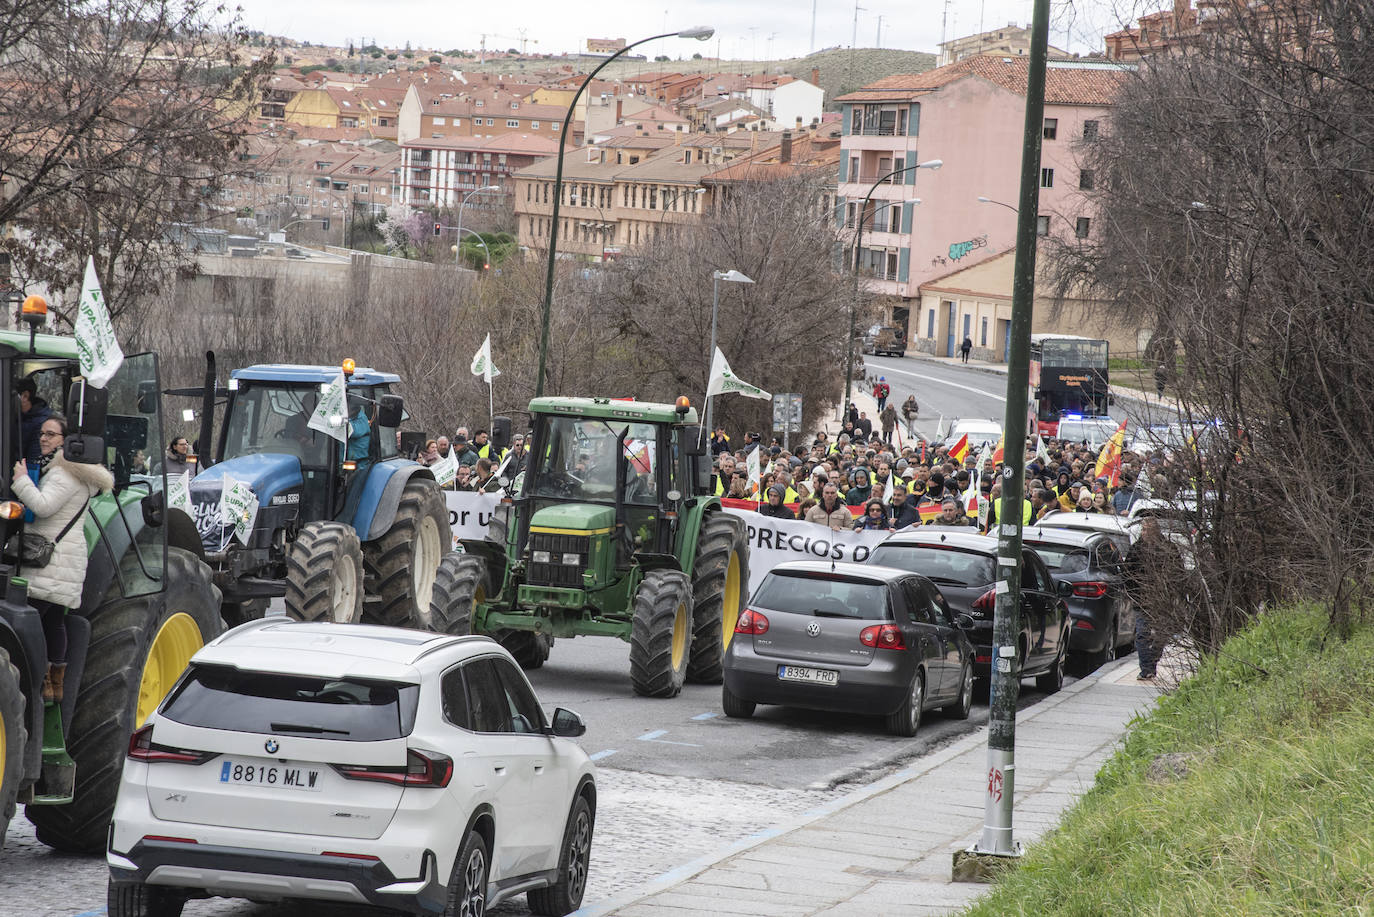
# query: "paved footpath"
[887,849]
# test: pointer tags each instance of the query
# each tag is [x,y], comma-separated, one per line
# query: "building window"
[1085,180]
[1090,130]
[851,212]
[894,218]
[1042,226]
[512,122]
[534,125]
[527,194]
[983,335]
[854,168]
[930,323]
[1047,178]
[555,125]
[1081,227]
[438,122]
[1051,129]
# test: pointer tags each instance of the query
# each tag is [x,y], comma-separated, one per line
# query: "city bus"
[1068,377]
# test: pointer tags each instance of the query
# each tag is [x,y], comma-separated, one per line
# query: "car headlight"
[542,557]
[572,560]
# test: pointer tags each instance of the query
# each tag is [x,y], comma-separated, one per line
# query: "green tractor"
[610,531]
[148,602]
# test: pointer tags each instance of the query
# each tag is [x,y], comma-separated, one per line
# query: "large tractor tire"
[14,735]
[459,586]
[661,634]
[720,587]
[401,565]
[530,649]
[324,574]
[138,649]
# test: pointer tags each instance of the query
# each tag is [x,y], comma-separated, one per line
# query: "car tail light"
[351,856]
[985,603]
[1090,590]
[422,769]
[167,839]
[983,660]
[141,748]
[883,637]
[1083,624]
[751,622]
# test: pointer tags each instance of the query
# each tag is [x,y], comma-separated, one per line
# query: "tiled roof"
[1066,82]
[510,142]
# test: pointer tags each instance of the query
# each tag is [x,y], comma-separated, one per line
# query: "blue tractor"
[346,529]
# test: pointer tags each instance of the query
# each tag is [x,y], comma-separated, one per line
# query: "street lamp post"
[931,164]
[458,248]
[716,277]
[464,202]
[701,33]
[988,200]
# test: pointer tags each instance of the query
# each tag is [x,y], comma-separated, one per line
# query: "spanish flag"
[1109,459]
[999,454]
[960,449]
[928,512]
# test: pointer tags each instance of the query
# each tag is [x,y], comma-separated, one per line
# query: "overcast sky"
[760,29]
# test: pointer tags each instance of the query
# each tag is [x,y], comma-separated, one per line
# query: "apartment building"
[440,172]
[445,112]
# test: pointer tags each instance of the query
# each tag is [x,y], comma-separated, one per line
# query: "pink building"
[924,225]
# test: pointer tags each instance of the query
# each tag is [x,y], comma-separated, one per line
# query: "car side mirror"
[390,410]
[147,397]
[693,443]
[499,438]
[1063,589]
[86,408]
[567,723]
[152,507]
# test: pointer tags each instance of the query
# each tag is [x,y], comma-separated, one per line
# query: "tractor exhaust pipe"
[206,450]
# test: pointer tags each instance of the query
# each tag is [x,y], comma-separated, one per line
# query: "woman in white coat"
[61,493]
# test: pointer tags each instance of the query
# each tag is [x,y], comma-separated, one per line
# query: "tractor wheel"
[661,634]
[720,587]
[460,585]
[530,649]
[324,574]
[14,735]
[401,564]
[138,649]
[236,613]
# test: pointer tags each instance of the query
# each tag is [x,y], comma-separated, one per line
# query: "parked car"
[1117,526]
[979,432]
[885,339]
[1094,430]
[1100,613]
[857,638]
[352,763]
[964,566]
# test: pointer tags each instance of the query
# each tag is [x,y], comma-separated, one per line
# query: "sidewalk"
[887,848]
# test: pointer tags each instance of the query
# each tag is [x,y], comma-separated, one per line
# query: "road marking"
[654,737]
[706,716]
[1001,396]
[596,757]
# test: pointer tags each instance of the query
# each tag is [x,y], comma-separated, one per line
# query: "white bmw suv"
[351,763]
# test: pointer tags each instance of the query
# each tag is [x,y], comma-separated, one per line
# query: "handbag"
[36,551]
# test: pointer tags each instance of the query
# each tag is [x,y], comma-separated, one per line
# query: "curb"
[924,766]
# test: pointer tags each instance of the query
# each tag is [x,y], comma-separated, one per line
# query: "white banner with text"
[773,541]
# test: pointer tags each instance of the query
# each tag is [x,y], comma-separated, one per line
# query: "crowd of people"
[861,480]
[478,460]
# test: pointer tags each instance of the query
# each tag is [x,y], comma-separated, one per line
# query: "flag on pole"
[923,452]
[1109,459]
[971,496]
[446,469]
[940,430]
[959,450]
[96,343]
[755,472]
[331,414]
[928,512]
[723,381]
[1040,451]
[1143,489]
[999,453]
[179,492]
[481,362]
[238,507]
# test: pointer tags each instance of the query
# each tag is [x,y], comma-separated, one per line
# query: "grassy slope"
[1275,815]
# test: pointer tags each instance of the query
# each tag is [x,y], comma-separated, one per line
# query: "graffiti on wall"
[958,250]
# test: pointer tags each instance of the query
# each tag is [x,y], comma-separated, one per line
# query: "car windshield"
[274,418]
[352,710]
[579,461]
[827,597]
[944,566]
[1061,558]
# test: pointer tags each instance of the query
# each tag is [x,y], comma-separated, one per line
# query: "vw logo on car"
[813,629]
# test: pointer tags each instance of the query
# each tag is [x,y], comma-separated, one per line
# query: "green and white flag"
[723,381]
[238,506]
[940,430]
[95,335]
[331,414]
[179,492]
[446,469]
[481,362]
[1040,451]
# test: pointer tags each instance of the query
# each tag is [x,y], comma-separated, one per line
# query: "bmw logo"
[271,746]
[813,629]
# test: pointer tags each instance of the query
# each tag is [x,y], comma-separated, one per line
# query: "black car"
[1100,613]
[964,566]
[854,638]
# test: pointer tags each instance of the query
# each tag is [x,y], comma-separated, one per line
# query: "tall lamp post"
[458,248]
[931,164]
[701,33]
[716,277]
[464,202]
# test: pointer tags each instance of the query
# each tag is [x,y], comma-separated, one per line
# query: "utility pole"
[997,847]
[878,42]
[813,27]
[944,26]
[854,40]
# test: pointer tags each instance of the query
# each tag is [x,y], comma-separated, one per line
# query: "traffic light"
[438,228]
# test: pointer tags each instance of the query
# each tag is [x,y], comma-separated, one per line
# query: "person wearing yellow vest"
[725,472]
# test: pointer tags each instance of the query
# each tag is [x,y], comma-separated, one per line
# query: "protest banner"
[774,541]
[469,513]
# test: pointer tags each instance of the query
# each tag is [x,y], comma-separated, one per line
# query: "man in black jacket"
[33,411]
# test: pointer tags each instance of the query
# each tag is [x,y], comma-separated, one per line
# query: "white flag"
[481,362]
[179,492]
[446,469]
[238,506]
[1040,451]
[95,336]
[755,471]
[723,381]
[331,414]
[940,431]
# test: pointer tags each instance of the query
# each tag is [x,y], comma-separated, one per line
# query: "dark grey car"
[854,638]
[1101,616]
[964,565]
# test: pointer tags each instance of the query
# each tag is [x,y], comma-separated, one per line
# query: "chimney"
[618,105]
[785,152]
[815,76]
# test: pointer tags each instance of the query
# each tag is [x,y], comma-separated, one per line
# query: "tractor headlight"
[542,557]
[572,560]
